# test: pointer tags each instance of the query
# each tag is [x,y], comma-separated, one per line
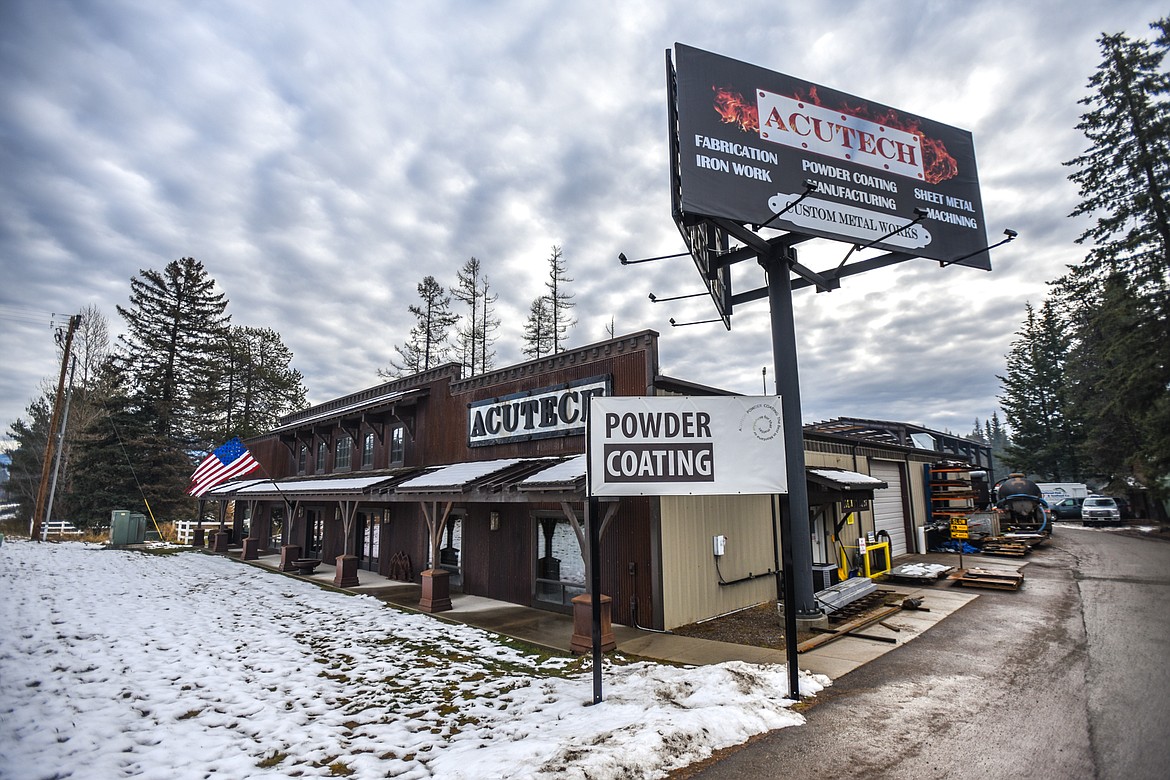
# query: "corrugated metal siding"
[691,589]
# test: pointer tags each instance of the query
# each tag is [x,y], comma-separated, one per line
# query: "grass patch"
[270,761]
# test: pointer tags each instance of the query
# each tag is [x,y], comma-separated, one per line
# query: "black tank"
[1017,485]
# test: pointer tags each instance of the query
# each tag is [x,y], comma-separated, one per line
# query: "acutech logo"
[802,125]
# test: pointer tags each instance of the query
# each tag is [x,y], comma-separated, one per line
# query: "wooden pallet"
[988,578]
[1012,549]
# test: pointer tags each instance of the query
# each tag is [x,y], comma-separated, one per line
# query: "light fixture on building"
[495,520]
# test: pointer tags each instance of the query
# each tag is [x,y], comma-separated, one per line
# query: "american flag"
[228,460]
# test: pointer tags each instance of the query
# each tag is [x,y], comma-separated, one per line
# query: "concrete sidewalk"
[554,630]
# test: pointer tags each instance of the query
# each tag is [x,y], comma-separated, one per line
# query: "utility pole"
[51,444]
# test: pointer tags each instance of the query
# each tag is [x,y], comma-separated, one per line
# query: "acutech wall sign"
[750,138]
[542,413]
[685,445]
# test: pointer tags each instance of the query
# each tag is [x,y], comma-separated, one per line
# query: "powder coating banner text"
[686,445]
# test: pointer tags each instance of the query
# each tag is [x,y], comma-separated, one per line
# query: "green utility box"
[127,528]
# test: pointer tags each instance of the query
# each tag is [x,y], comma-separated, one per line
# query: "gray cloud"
[321,159]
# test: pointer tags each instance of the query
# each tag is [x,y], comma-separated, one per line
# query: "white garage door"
[887,504]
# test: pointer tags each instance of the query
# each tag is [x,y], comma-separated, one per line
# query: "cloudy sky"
[320,158]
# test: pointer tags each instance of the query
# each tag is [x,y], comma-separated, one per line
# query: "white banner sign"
[685,446]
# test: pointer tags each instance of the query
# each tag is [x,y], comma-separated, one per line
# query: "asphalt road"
[1068,677]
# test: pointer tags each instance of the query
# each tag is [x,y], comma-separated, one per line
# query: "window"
[320,457]
[397,444]
[343,454]
[560,567]
[368,451]
[302,459]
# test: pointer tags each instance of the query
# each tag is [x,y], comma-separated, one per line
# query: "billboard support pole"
[795,532]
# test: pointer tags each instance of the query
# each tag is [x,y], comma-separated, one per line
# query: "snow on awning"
[490,481]
[565,474]
[228,488]
[326,487]
[840,479]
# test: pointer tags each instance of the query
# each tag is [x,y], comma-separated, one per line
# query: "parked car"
[1100,509]
[1125,507]
[1066,509]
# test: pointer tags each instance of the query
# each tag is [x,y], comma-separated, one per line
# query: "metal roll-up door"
[888,512]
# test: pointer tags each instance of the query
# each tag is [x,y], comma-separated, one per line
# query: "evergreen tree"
[427,345]
[1118,382]
[176,324]
[121,461]
[560,300]
[997,436]
[1118,297]
[478,334]
[1034,399]
[28,457]
[538,330]
[1125,173]
[255,383]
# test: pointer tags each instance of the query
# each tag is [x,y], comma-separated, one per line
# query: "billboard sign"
[749,139]
[685,446]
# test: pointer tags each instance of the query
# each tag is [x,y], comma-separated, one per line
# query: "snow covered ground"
[184,665]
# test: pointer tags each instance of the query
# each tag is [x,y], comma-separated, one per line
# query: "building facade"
[486,476]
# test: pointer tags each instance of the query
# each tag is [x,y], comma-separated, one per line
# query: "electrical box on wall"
[720,544]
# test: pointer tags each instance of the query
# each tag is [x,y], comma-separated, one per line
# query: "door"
[889,512]
[369,531]
[314,533]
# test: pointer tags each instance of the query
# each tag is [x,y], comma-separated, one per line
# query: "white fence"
[59,528]
[185,530]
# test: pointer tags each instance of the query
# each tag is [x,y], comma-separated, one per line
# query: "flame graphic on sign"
[938,163]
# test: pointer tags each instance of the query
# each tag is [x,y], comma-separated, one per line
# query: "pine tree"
[478,334]
[1034,399]
[538,330]
[997,437]
[427,345]
[121,461]
[31,435]
[176,322]
[1118,297]
[255,383]
[1118,382]
[560,300]
[1125,173]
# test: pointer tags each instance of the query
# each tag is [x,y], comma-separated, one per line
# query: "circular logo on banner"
[763,419]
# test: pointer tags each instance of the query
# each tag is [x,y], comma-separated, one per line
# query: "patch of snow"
[116,663]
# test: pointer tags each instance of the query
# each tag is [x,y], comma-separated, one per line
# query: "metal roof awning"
[829,485]
[330,488]
[493,481]
[314,416]
[840,479]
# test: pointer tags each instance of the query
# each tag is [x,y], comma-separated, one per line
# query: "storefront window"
[560,569]
[450,550]
[276,528]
